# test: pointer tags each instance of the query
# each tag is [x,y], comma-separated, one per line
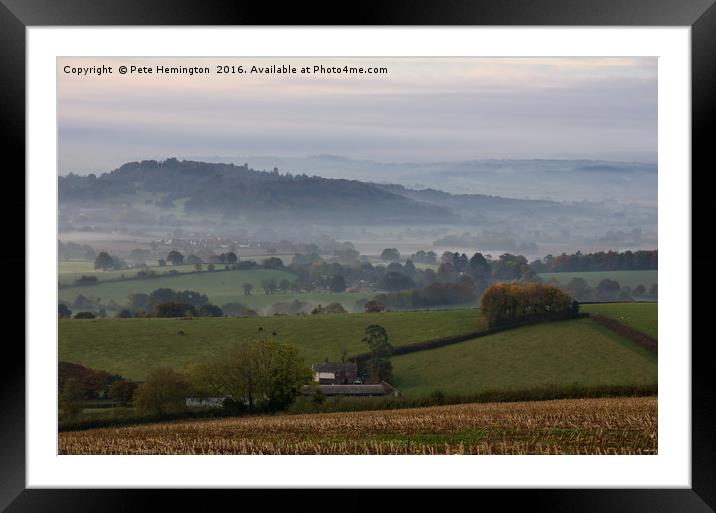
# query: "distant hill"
[231,189]
[560,180]
[228,189]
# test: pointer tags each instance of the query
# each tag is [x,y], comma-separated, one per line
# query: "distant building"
[205,402]
[335,373]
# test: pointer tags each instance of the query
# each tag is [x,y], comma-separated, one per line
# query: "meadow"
[641,316]
[625,278]
[221,287]
[556,353]
[573,426]
[69,271]
[131,347]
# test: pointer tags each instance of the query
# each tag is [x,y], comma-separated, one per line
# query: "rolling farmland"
[556,353]
[71,270]
[565,352]
[133,346]
[625,278]
[574,426]
[640,316]
[221,287]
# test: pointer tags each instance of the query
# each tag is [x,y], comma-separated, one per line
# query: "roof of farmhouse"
[334,366]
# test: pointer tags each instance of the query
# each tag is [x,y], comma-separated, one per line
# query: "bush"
[209,310]
[84,315]
[70,400]
[121,392]
[174,309]
[237,310]
[373,306]
[63,311]
[86,280]
[164,392]
[332,308]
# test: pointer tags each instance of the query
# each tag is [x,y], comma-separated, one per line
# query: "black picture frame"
[17,15]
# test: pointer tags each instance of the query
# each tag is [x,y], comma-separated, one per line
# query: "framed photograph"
[418,248]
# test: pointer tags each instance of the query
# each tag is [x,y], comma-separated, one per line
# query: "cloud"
[424,109]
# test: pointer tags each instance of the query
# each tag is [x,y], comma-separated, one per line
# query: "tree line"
[601,261]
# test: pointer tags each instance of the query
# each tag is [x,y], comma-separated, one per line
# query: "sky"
[423,110]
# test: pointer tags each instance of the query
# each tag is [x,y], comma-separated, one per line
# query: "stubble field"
[576,426]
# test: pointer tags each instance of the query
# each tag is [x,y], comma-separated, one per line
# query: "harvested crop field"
[574,426]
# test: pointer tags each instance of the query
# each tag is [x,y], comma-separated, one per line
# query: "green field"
[641,316]
[221,287]
[562,353]
[71,270]
[131,347]
[625,278]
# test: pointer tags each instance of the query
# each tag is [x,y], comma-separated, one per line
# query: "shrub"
[373,306]
[174,309]
[164,392]
[86,280]
[209,310]
[84,315]
[121,392]
[71,396]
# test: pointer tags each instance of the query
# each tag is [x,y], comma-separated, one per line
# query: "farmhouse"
[335,373]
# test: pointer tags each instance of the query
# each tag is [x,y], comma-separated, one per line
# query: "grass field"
[221,287]
[625,278]
[576,426]
[131,347]
[71,270]
[641,316]
[565,352]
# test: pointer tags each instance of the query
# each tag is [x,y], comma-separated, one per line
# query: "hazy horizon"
[425,110]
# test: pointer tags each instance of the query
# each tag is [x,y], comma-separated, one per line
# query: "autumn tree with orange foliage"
[507,304]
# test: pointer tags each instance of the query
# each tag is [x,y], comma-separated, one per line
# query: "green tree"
[377,339]
[272,263]
[104,261]
[247,288]
[175,258]
[84,315]
[121,392]
[63,311]
[71,397]
[373,306]
[174,309]
[379,369]
[390,254]
[165,391]
[209,310]
[262,374]
[337,283]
